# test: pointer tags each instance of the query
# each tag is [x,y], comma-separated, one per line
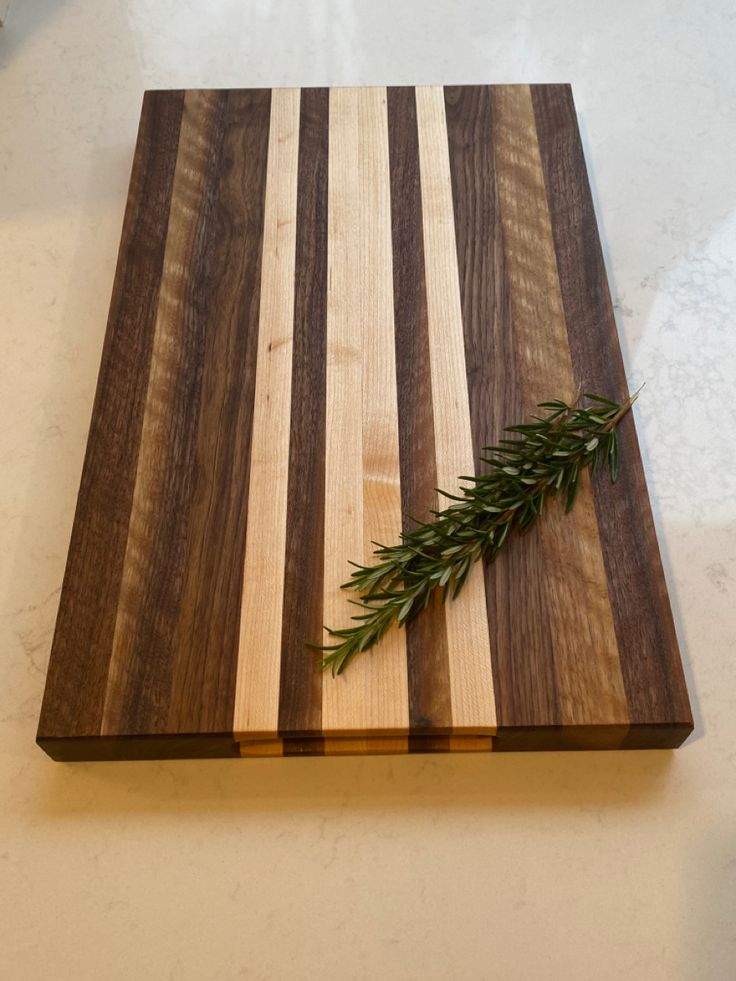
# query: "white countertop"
[573,866]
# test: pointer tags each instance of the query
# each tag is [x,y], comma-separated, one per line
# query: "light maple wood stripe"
[363,494]
[259,656]
[344,378]
[189,188]
[588,671]
[471,678]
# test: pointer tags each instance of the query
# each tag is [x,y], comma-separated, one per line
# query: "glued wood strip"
[259,659]
[471,679]
[373,746]
[426,635]
[83,640]
[587,670]
[650,660]
[521,639]
[136,698]
[363,496]
[206,637]
[300,692]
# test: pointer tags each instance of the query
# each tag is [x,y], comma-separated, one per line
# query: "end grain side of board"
[327,302]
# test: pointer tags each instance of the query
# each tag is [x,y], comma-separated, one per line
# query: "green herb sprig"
[543,458]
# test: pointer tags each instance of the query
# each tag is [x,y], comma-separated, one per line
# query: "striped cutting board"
[326,303]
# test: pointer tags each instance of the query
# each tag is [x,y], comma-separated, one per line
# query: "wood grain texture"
[137,694]
[300,693]
[521,646]
[364,505]
[650,661]
[343,514]
[471,678]
[426,636]
[370,746]
[85,623]
[207,636]
[261,623]
[588,682]
[327,302]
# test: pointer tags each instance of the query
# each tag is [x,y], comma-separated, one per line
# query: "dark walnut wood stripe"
[483,285]
[426,636]
[587,669]
[77,674]
[650,662]
[518,620]
[139,687]
[300,695]
[205,640]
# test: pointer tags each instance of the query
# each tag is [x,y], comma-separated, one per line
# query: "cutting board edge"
[604,736]
[177,746]
[79,749]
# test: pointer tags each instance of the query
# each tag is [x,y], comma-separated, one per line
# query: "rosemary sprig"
[543,458]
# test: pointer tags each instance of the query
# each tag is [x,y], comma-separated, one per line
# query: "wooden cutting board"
[326,303]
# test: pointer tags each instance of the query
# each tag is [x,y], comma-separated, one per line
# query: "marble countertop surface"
[571,866]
